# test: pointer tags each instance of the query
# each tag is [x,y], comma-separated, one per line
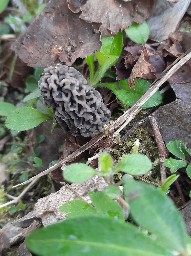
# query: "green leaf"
[128,96]
[155,212]
[3,5]
[134,164]
[112,191]
[31,83]
[37,162]
[25,118]
[174,164]
[107,56]
[112,45]
[188,171]
[105,162]
[77,208]
[33,95]
[78,173]
[106,206]
[138,33]
[38,73]
[90,61]
[105,62]
[4,29]
[177,148]
[6,108]
[168,182]
[92,236]
[102,206]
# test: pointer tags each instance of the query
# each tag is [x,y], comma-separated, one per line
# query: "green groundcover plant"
[131,219]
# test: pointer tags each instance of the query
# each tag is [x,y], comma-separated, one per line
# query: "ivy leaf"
[25,118]
[174,164]
[134,164]
[155,212]
[128,96]
[93,236]
[78,172]
[138,33]
[6,108]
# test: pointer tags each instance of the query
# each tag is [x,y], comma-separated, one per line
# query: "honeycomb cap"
[78,107]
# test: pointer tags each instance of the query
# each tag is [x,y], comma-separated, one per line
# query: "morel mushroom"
[78,107]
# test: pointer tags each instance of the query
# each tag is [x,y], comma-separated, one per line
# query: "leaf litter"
[51,39]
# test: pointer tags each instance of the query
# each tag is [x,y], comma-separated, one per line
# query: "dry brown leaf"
[56,35]
[114,16]
[149,64]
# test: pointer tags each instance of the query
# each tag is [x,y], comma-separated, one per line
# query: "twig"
[161,147]
[17,199]
[121,122]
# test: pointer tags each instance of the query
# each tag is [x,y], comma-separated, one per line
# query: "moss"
[147,146]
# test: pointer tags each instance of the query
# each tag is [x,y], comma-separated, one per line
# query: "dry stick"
[121,122]
[161,147]
[16,199]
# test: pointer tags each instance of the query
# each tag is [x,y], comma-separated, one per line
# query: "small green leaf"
[31,83]
[3,5]
[134,164]
[112,45]
[93,236]
[105,162]
[112,191]
[33,95]
[155,212]
[90,61]
[177,148]
[107,56]
[6,108]
[25,118]
[188,171]
[129,96]
[40,138]
[78,173]
[102,206]
[37,162]
[168,182]
[77,208]
[138,33]
[106,206]
[38,73]
[174,164]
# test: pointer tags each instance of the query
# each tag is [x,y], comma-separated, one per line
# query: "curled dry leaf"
[166,18]
[114,16]
[56,35]
[148,66]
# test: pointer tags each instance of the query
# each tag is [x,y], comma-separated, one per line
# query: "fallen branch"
[116,127]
